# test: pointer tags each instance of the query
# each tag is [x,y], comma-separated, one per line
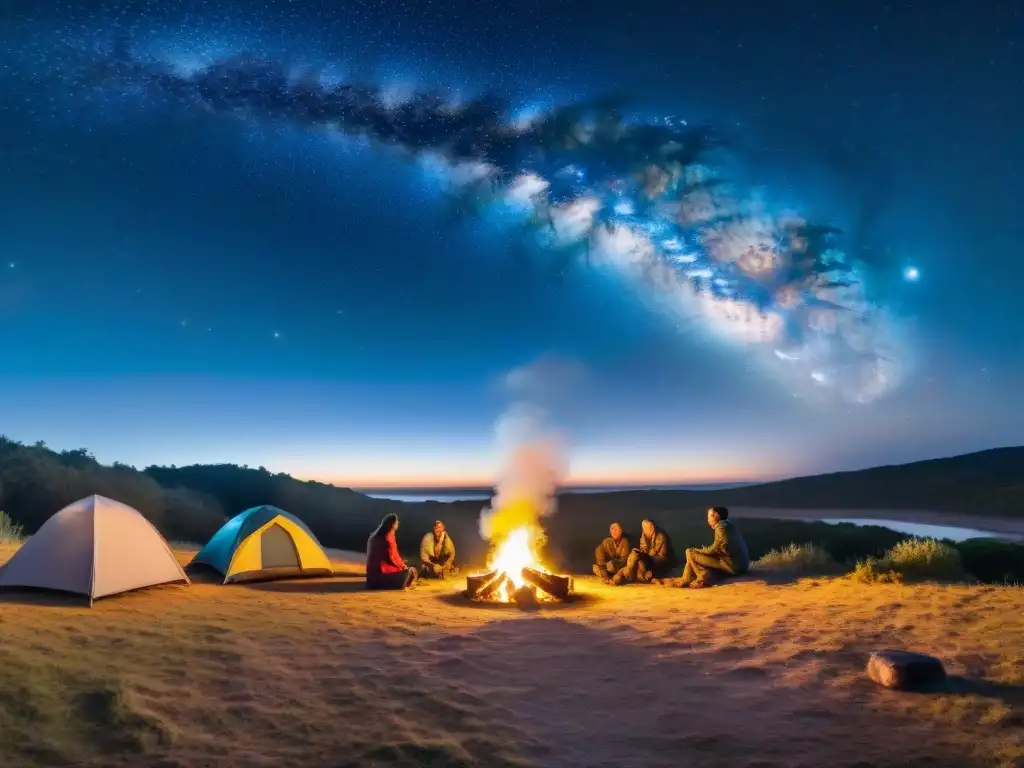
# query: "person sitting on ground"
[651,560]
[610,557]
[726,556]
[437,553]
[385,568]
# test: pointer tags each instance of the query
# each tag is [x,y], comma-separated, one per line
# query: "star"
[277,334]
[911,274]
[10,265]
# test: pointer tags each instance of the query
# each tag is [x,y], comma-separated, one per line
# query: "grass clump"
[872,571]
[797,558]
[10,531]
[913,560]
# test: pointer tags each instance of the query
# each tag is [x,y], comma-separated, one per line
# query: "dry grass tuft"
[10,531]
[809,559]
[873,571]
[914,560]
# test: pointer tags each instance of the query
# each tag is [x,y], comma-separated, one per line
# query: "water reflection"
[924,530]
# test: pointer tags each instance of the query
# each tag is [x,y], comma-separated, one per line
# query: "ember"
[515,576]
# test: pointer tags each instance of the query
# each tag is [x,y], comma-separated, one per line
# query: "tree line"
[190,503]
[184,503]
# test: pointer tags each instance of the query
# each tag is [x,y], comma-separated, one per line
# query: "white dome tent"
[95,547]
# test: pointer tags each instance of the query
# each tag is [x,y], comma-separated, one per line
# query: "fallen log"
[557,586]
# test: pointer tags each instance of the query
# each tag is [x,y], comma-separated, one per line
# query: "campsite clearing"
[323,673]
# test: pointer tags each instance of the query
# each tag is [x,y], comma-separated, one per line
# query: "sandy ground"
[323,673]
[343,562]
[1012,527]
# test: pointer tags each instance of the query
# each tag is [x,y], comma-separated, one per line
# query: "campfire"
[516,576]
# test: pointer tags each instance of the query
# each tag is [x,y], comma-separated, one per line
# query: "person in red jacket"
[385,568]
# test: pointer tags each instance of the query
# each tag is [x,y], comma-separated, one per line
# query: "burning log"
[502,584]
[477,581]
[484,585]
[557,586]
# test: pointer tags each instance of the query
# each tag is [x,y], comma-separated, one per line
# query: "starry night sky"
[183,287]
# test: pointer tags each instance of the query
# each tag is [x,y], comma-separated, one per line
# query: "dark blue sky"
[184,287]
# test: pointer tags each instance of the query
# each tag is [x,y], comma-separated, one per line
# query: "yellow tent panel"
[277,549]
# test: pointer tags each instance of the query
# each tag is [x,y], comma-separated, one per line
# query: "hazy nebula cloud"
[650,202]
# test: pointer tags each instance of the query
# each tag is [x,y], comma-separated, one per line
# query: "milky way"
[647,201]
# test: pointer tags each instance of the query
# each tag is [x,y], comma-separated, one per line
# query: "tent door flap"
[277,550]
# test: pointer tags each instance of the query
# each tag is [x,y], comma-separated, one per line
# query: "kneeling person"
[437,553]
[726,556]
[610,557]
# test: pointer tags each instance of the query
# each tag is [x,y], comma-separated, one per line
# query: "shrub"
[926,559]
[797,558]
[993,561]
[10,531]
[914,559]
[870,571]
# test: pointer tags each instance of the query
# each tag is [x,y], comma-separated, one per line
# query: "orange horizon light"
[583,481]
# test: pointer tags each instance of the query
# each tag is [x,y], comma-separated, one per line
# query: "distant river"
[925,531]
[445,495]
[915,522]
[416,498]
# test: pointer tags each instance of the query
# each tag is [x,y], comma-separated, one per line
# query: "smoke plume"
[533,464]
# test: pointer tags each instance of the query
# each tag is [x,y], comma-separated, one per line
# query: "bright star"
[277,334]
[911,274]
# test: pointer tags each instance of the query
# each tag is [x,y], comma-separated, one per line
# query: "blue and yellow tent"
[264,543]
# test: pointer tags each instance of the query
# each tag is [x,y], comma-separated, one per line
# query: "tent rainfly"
[95,547]
[262,544]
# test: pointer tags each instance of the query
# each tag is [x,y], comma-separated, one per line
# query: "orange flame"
[513,554]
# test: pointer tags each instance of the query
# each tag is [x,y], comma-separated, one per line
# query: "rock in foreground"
[905,670]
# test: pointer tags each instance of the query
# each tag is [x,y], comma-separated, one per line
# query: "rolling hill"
[987,482]
[190,503]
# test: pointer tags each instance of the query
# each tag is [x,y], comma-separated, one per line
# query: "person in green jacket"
[437,553]
[726,556]
[651,560]
[611,555]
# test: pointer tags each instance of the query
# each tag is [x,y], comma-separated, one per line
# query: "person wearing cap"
[437,553]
